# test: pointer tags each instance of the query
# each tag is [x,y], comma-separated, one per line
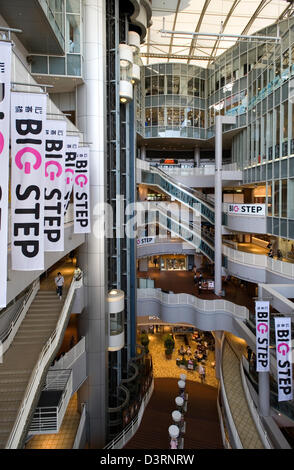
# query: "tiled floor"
[66,436]
[163,367]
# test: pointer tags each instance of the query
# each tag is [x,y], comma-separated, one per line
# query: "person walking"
[202,373]
[59,282]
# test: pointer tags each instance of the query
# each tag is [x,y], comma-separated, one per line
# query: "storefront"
[173,263]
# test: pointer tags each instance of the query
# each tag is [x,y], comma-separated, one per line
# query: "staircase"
[20,359]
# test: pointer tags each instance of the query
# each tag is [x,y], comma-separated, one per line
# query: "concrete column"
[143,152]
[91,116]
[218,341]
[143,265]
[219,121]
[197,156]
[263,382]
[218,207]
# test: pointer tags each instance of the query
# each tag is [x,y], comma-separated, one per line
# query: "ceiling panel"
[186,15]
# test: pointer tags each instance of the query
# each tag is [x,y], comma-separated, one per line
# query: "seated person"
[189,352]
[182,350]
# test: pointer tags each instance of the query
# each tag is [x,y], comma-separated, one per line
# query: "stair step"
[4,430]
[23,342]
[3,441]
[14,372]
[10,388]
[7,417]
[9,406]
[15,379]
[7,398]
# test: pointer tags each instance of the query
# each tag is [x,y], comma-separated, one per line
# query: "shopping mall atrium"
[146,224]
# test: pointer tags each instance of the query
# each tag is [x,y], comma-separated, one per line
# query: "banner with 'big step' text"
[5,74]
[54,185]
[82,192]
[72,143]
[262,319]
[284,358]
[28,117]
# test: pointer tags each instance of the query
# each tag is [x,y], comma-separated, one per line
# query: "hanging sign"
[262,318]
[54,185]
[284,360]
[72,143]
[28,115]
[145,240]
[247,209]
[5,73]
[82,192]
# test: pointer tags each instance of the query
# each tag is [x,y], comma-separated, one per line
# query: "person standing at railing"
[59,282]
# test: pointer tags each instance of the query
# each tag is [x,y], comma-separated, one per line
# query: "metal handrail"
[81,426]
[122,439]
[44,358]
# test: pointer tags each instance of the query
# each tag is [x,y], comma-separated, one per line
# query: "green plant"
[169,343]
[145,341]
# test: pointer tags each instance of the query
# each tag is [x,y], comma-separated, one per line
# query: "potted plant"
[145,341]
[169,345]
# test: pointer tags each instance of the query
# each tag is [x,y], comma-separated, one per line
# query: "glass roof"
[236,17]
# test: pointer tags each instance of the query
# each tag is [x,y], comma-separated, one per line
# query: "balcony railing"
[260,261]
[217,305]
[129,431]
[48,419]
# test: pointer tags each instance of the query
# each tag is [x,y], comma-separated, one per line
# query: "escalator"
[185,195]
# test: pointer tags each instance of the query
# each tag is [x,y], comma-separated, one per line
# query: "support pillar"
[197,157]
[218,207]
[217,351]
[219,121]
[91,109]
[263,382]
[143,152]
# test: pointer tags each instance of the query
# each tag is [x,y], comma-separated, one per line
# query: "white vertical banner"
[262,318]
[72,143]
[55,133]
[5,73]
[284,358]
[82,192]
[28,116]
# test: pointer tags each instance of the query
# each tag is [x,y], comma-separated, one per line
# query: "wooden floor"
[202,424]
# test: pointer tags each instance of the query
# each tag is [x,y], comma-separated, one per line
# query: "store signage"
[145,240]
[82,192]
[284,360]
[5,72]
[28,114]
[72,143]
[55,133]
[247,209]
[262,319]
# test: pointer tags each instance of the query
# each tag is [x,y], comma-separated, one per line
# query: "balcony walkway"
[202,424]
[247,431]
[22,356]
